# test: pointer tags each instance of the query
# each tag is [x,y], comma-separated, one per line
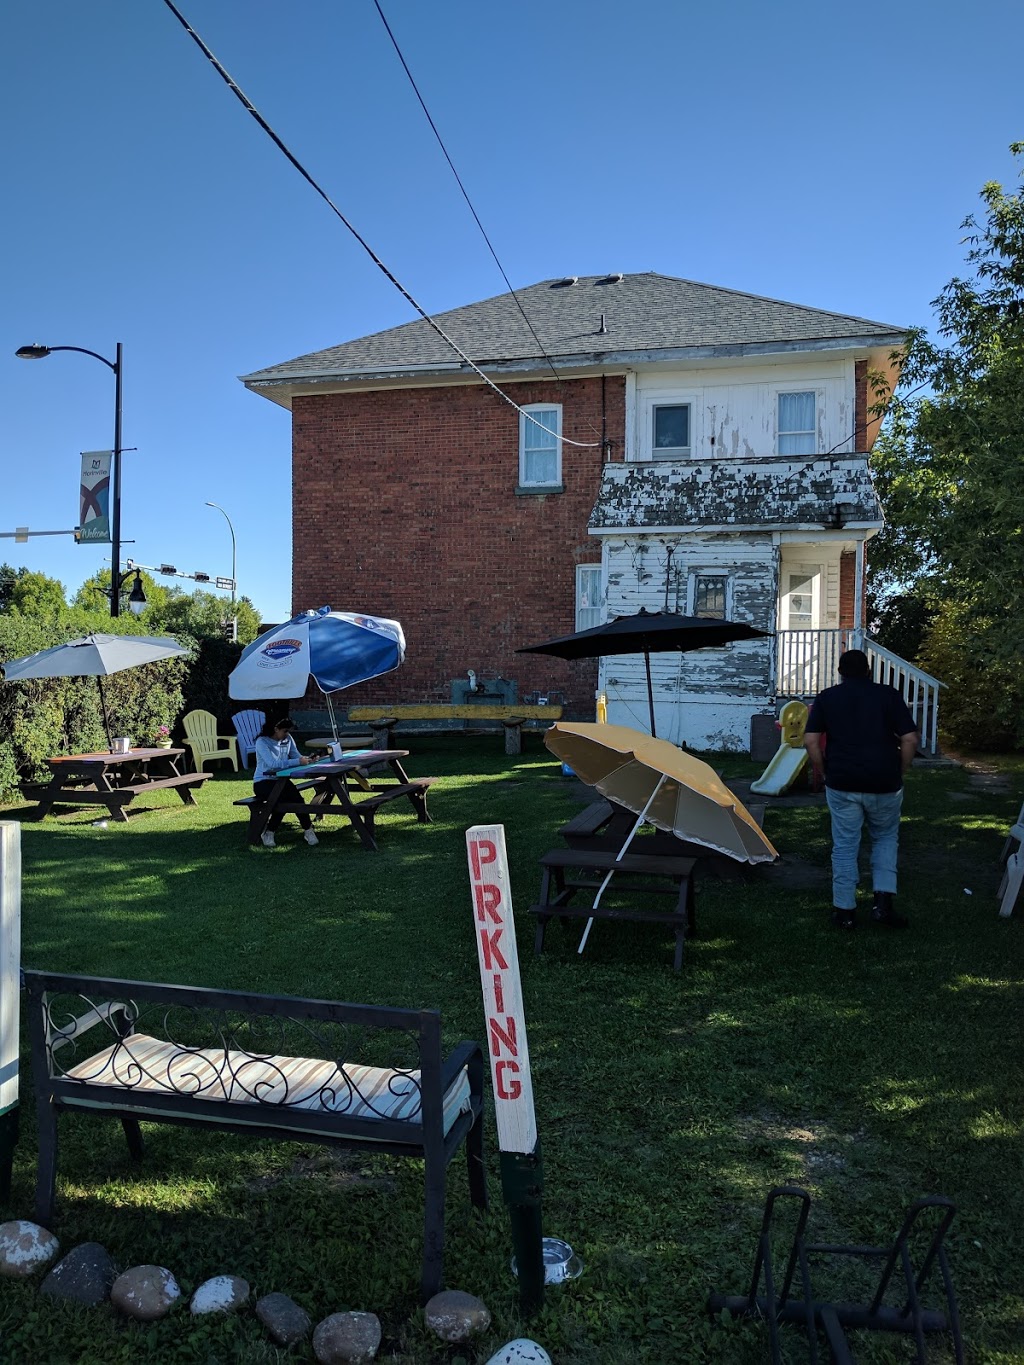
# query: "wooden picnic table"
[343,788]
[115,780]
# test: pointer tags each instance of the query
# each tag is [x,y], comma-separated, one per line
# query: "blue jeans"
[850,811]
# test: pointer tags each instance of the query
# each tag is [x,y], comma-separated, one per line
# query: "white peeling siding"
[734,409]
[704,698]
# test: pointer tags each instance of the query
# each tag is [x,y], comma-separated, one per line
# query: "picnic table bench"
[568,870]
[115,780]
[383,719]
[336,784]
[353,1076]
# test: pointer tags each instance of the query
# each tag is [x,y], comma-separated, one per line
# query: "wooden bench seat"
[180,780]
[361,1077]
[646,873]
[384,719]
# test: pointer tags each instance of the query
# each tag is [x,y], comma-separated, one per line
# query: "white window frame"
[651,399]
[583,571]
[691,590]
[524,425]
[779,433]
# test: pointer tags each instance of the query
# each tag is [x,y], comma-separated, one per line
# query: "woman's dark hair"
[269,726]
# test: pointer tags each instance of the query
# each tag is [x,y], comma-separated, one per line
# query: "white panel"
[10,960]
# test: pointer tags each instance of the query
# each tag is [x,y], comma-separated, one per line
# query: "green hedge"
[50,716]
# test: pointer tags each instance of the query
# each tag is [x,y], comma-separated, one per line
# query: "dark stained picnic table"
[343,788]
[115,780]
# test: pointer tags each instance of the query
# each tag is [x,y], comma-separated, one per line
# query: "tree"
[950,470]
[27,592]
[204,615]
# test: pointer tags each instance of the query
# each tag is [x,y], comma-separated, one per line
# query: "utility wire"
[436,326]
[465,192]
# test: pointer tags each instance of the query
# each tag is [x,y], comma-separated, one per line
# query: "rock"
[145,1292]
[520,1352]
[347,1339]
[286,1322]
[25,1248]
[83,1276]
[221,1294]
[455,1316]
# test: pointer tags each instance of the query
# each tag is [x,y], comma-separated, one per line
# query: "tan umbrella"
[670,788]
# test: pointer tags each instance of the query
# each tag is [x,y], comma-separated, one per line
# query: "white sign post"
[10,996]
[522,1175]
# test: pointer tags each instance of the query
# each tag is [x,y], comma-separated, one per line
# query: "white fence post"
[10,996]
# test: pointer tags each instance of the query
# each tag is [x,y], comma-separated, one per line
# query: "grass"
[871,1068]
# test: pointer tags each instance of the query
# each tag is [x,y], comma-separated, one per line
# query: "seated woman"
[275,749]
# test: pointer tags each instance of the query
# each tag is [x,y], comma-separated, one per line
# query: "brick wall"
[860,405]
[847,581]
[404,505]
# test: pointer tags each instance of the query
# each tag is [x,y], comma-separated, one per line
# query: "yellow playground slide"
[791,758]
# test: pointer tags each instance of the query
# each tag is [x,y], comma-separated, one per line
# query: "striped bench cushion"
[142,1063]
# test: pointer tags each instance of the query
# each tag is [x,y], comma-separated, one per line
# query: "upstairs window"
[588,596]
[540,446]
[671,433]
[798,423]
[709,596]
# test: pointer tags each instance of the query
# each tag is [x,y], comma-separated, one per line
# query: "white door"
[801,624]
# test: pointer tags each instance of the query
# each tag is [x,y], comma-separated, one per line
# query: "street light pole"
[234,577]
[38,352]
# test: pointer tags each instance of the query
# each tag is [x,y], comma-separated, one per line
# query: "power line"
[251,109]
[465,192]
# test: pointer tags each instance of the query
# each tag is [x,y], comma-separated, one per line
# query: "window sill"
[538,490]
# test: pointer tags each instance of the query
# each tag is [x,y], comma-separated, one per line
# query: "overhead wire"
[390,276]
[462,187]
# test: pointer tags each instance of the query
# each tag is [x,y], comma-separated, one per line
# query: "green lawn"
[871,1068]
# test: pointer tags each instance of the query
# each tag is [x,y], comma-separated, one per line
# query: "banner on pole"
[94,513]
[502,989]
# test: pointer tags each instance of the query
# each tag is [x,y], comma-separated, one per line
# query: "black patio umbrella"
[647,633]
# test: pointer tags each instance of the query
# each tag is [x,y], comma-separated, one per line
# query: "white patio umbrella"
[93,656]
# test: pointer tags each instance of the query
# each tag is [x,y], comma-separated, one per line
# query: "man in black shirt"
[864,738]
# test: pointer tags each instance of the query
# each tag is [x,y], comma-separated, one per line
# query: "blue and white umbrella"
[335,648]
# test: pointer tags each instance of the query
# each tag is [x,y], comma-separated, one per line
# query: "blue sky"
[817,153]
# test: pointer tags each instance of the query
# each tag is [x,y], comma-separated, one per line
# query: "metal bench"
[263,1065]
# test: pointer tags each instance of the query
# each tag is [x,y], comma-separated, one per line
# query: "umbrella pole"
[650,695]
[103,708]
[620,855]
[330,712]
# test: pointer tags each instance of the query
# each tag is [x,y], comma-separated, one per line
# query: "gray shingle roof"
[642,313]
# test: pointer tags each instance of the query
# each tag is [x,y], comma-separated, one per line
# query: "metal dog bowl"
[560,1261]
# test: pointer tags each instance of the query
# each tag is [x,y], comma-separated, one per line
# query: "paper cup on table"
[336,752]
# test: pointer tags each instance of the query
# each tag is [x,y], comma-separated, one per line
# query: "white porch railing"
[806,661]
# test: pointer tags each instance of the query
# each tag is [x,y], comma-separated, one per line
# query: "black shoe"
[883,913]
[844,919]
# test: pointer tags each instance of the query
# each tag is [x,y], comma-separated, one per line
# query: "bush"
[206,686]
[983,706]
[48,716]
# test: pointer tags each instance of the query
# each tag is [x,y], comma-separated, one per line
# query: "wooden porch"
[806,661]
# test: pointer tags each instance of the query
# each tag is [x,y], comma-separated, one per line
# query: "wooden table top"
[111,760]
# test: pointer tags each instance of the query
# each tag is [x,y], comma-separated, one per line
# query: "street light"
[38,352]
[234,618]
[137,597]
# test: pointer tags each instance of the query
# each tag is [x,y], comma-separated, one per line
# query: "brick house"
[690,448]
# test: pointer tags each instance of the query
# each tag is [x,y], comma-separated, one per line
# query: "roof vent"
[611,279]
[567,283]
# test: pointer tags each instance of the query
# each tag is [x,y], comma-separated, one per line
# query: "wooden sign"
[502,989]
[10,961]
